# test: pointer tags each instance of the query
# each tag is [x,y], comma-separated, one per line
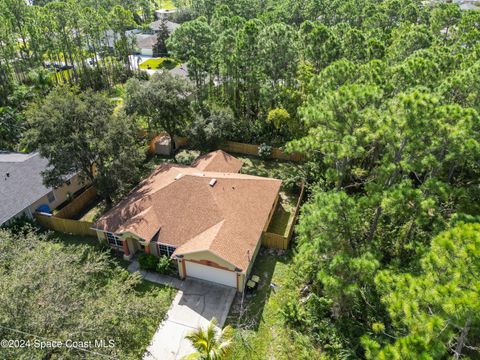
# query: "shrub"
[168,64]
[148,262]
[279,117]
[185,157]
[291,183]
[265,151]
[293,314]
[165,265]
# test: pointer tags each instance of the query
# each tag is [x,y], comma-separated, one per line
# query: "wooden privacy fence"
[77,204]
[250,149]
[277,241]
[234,147]
[67,226]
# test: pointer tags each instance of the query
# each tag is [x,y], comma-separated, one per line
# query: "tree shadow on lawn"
[76,241]
[247,310]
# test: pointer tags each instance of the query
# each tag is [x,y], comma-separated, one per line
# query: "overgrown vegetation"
[67,290]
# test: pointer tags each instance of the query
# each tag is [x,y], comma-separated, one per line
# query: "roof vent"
[179,176]
[212,182]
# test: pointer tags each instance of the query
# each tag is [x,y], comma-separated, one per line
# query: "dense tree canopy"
[164,100]
[382,97]
[438,310]
[81,133]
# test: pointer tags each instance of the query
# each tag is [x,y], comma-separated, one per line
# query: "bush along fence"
[62,221]
[231,146]
[278,241]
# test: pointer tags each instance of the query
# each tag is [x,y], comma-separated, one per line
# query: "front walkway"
[195,304]
[155,277]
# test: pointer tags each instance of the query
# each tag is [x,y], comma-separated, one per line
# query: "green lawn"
[93,211]
[158,63]
[270,168]
[259,329]
[165,4]
[283,215]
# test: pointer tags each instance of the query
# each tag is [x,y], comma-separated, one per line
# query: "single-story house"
[22,191]
[146,42]
[207,217]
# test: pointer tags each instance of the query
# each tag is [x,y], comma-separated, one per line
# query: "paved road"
[194,305]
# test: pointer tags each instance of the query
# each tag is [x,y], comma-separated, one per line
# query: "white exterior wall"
[146,52]
[210,273]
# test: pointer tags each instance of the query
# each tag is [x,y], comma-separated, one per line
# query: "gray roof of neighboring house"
[181,70]
[145,41]
[21,182]
[155,26]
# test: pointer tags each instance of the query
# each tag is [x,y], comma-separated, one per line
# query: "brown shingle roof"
[176,205]
[218,161]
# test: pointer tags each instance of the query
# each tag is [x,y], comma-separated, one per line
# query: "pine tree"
[160,47]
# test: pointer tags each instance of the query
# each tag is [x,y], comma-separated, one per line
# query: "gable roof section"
[156,25]
[177,206]
[218,161]
[24,183]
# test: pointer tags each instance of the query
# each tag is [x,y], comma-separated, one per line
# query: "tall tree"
[437,312]
[78,132]
[164,100]
[193,43]
[65,292]
[160,47]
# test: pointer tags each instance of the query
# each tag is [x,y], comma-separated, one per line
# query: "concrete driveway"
[195,304]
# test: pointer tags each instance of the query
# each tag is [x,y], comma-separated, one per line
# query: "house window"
[114,239]
[165,250]
[51,197]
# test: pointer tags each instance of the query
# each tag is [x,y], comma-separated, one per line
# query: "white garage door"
[210,273]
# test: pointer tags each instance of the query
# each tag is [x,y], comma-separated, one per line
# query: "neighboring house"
[146,42]
[181,70]
[207,217]
[21,186]
[156,26]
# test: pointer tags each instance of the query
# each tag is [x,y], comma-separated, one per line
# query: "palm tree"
[210,343]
